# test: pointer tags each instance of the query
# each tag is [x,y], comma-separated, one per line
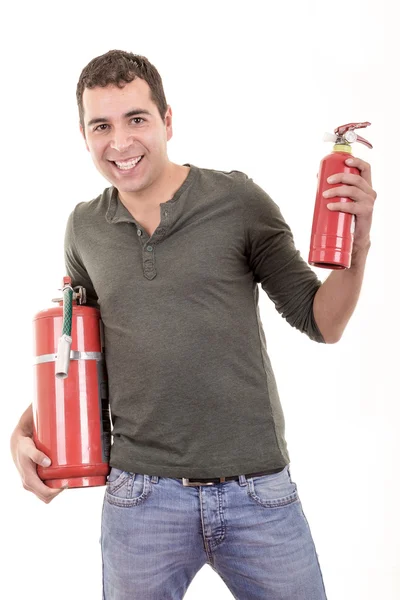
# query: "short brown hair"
[118,67]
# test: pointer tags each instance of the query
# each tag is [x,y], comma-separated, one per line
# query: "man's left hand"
[359,189]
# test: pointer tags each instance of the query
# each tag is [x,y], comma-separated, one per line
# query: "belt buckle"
[188,483]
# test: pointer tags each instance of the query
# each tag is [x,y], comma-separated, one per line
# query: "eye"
[98,127]
[105,124]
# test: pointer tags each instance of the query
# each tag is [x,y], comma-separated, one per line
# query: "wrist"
[359,255]
[362,245]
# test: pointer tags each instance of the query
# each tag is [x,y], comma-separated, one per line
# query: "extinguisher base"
[329,258]
[76,482]
[322,265]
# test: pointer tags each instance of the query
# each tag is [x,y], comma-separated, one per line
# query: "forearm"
[336,299]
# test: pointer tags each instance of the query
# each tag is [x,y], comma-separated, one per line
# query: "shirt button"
[139,232]
[165,214]
[149,248]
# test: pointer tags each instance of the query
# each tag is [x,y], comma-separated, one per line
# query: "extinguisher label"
[105,421]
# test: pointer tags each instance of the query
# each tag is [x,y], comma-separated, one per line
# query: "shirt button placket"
[148,250]
[148,261]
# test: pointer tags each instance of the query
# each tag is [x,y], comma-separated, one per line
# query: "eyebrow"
[131,113]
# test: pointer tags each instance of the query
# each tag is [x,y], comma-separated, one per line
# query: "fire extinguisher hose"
[65,341]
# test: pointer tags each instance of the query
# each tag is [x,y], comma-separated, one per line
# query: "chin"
[123,186]
[126,187]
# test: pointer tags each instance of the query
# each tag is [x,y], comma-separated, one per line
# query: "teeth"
[127,165]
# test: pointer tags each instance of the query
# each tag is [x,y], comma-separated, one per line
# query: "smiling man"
[172,255]
[129,147]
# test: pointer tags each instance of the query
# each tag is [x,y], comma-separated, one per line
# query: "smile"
[127,165]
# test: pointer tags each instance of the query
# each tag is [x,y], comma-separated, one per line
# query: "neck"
[160,190]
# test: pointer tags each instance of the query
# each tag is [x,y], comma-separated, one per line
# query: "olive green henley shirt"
[191,388]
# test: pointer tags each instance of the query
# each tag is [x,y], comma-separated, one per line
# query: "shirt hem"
[220,471]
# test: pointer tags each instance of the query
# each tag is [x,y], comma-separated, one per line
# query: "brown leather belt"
[191,481]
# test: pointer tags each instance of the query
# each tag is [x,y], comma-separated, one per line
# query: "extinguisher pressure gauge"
[350,136]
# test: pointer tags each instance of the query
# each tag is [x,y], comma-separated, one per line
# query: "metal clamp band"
[74,355]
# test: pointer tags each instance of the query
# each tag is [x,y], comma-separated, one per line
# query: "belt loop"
[242,480]
[154,479]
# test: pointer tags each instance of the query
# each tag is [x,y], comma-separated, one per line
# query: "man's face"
[114,136]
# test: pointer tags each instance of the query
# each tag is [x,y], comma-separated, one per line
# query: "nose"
[121,140]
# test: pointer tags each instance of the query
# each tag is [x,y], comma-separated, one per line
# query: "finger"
[28,449]
[363,166]
[351,179]
[38,488]
[32,482]
[348,207]
[49,497]
[348,191]
[29,458]
[363,211]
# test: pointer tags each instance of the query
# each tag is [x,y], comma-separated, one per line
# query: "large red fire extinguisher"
[70,401]
[332,232]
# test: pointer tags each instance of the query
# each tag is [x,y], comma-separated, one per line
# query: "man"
[172,255]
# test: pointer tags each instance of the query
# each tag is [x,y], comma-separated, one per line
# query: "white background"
[253,86]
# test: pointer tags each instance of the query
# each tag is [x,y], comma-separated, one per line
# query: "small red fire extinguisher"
[332,233]
[70,401]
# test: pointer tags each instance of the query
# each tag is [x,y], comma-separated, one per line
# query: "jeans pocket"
[126,489]
[116,478]
[274,490]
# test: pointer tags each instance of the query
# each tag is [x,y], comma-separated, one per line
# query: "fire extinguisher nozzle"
[63,356]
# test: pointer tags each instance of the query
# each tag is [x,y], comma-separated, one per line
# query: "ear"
[168,122]
[83,135]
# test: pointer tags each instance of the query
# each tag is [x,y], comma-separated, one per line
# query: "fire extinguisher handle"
[363,141]
[351,136]
[343,128]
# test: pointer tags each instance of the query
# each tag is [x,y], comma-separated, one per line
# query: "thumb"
[36,455]
[42,459]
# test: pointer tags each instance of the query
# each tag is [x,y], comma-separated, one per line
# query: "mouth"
[127,166]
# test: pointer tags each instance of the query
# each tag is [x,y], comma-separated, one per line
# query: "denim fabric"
[156,534]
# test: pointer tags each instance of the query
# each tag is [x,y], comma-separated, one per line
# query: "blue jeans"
[156,534]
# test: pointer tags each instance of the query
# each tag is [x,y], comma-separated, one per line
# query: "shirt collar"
[118,213]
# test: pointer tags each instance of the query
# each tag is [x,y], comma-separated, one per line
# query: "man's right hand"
[26,456]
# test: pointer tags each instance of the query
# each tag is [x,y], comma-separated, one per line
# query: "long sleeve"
[276,263]
[74,265]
